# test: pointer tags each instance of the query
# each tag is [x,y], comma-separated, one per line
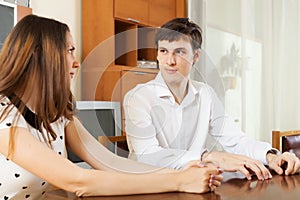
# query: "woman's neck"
[29,99]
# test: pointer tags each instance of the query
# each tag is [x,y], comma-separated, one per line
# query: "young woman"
[36,124]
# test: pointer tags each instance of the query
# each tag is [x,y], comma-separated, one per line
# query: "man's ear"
[196,56]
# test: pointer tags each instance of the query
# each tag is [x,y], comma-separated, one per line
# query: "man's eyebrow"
[180,48]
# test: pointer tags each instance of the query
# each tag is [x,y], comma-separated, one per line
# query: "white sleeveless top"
[16,182]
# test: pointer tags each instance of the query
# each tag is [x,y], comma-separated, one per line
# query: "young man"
[169,119]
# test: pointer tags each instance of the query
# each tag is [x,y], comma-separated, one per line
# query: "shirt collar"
[163,90]
[161,86]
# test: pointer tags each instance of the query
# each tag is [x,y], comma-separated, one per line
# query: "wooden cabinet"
[97,27]
[149,12]
[161,11]
[115,35]
[117,81]
[130,78]
[22,12]
[126,46]
[133,10]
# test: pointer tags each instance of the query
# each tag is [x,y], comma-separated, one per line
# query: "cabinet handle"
[133,20]
[140,73]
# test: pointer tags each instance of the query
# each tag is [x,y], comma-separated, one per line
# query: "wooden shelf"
[125,43]
[146,43]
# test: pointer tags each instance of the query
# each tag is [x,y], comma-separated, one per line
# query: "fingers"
[292,163]
[256,167]
[243,170]
[262,172]
[215,181]
[218,178]
[200,180]
[286,159]
[194,163]
[214,170]
[215,178]
[276,167]
[296,167]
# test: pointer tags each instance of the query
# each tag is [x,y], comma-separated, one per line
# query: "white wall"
[69,12]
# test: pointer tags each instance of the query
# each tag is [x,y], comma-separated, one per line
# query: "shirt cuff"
[202,154]
[273,151]
[189,156]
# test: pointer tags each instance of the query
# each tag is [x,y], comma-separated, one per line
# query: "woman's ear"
[196,56]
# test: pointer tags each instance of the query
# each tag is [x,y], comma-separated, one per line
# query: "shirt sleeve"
[11,116]
[229,135]
[142,137]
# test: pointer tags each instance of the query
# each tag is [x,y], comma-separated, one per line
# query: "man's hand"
[276,162]
[232,162]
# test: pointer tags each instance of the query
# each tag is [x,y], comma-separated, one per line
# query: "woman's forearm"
[192,180]
[98,183]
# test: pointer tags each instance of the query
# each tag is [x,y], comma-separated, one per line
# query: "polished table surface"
[234,187]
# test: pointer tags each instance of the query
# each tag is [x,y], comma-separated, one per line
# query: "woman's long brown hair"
[33,57]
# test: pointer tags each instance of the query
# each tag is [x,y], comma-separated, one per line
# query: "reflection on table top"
[235,187]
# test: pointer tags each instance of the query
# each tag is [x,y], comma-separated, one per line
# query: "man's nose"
[171,59]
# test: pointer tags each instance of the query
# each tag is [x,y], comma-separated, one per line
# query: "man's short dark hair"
[180,28]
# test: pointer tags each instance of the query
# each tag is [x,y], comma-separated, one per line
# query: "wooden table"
[235,187]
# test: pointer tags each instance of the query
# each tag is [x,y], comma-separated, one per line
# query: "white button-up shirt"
[163,133]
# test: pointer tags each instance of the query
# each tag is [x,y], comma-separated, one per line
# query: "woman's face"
[71,60]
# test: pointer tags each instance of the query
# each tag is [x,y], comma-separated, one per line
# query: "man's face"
[176,59]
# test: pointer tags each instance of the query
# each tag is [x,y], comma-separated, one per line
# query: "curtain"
[253,48]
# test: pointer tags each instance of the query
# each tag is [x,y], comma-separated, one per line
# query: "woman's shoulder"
[9,115]
[5,107]
[4,101]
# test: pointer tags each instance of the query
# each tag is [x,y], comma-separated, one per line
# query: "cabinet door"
[23,11]
[108,88]
[131,78]
[132,10]
[97,27]
[161,11]
[181,8]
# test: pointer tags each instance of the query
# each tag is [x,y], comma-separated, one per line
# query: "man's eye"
[180,52]
[162,51]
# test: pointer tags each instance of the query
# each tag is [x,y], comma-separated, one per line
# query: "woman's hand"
[205,178]
[233,163]
[277,162]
